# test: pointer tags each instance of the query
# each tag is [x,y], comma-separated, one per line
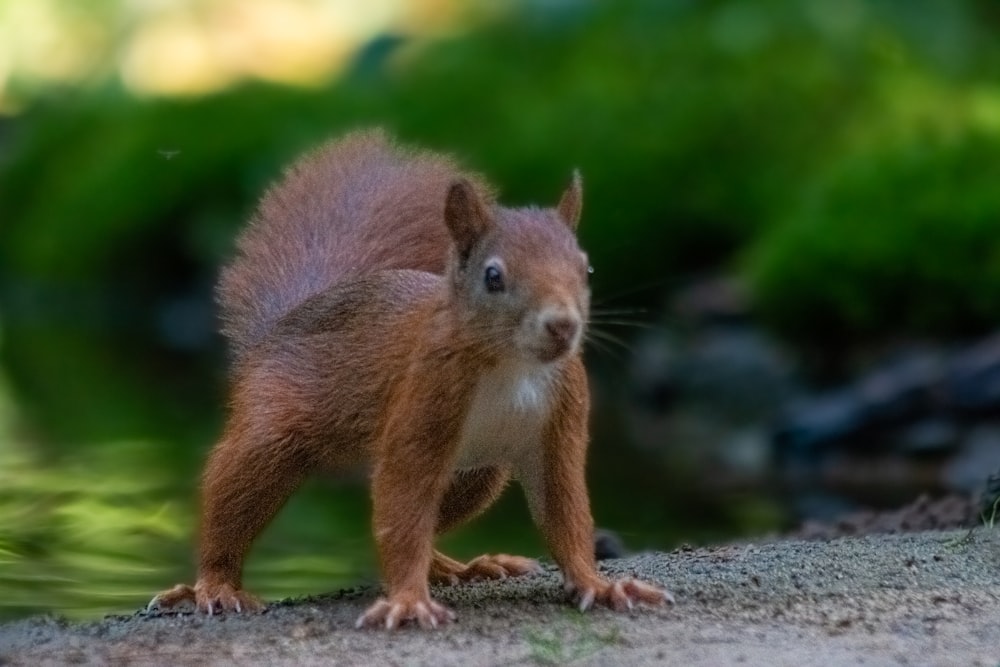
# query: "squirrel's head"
[518,275]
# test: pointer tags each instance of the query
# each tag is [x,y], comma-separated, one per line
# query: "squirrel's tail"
[353,207]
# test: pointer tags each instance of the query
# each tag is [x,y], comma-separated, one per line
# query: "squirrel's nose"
[562,330]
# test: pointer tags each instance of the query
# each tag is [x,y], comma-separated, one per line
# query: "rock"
[928,435]
[928,409]
[607,545]
[707,399]
[736,370]
[949,512]
[971,466]
[811,425]
[898,406]
[716,300]
[906,389]
[973,382]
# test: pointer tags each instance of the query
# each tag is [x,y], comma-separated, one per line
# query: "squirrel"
[384,310]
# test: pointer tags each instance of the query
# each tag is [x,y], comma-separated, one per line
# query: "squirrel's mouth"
[551,350]
[548,355]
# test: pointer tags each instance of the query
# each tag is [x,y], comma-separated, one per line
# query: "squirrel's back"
[353,207]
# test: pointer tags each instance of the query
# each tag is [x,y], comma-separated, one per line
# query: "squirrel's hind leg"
[244,485]
[470,493]
[445,570]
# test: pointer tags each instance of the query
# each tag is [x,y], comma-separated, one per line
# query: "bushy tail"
[353,207]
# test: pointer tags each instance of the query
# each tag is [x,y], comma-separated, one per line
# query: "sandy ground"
[921,599]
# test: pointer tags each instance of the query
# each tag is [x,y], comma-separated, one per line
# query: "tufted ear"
[571,203]
[466,217]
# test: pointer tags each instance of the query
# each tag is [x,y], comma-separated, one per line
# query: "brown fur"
[469,494]
[366,330]
[366,188]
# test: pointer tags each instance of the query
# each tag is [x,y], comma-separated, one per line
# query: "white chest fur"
[506,416]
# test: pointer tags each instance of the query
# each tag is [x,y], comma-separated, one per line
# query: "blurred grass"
[102,531]
[77,535]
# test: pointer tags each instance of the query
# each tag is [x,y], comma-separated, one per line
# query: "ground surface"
[928,598]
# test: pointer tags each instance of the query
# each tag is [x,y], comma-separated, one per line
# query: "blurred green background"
[838,158]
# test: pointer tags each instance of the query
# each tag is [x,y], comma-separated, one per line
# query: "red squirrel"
[384,310]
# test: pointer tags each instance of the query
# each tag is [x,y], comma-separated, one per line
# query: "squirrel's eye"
[493,279]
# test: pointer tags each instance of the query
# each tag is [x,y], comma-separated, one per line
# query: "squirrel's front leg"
[557,493]
[412,471]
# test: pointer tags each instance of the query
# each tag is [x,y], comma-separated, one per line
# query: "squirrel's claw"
[393,612]
[171,598]
[620,595]
[225,598]
[208,599]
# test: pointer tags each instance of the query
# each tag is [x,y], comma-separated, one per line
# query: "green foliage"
[691,126]
[903,238]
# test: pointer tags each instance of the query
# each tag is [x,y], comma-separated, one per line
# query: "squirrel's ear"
[571,203]
[466,217]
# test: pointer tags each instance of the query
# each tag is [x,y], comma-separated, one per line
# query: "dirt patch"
[946,513]
[925,598]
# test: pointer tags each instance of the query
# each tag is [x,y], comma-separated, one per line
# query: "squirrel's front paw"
[620,595]
[208,598]
[394,610]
